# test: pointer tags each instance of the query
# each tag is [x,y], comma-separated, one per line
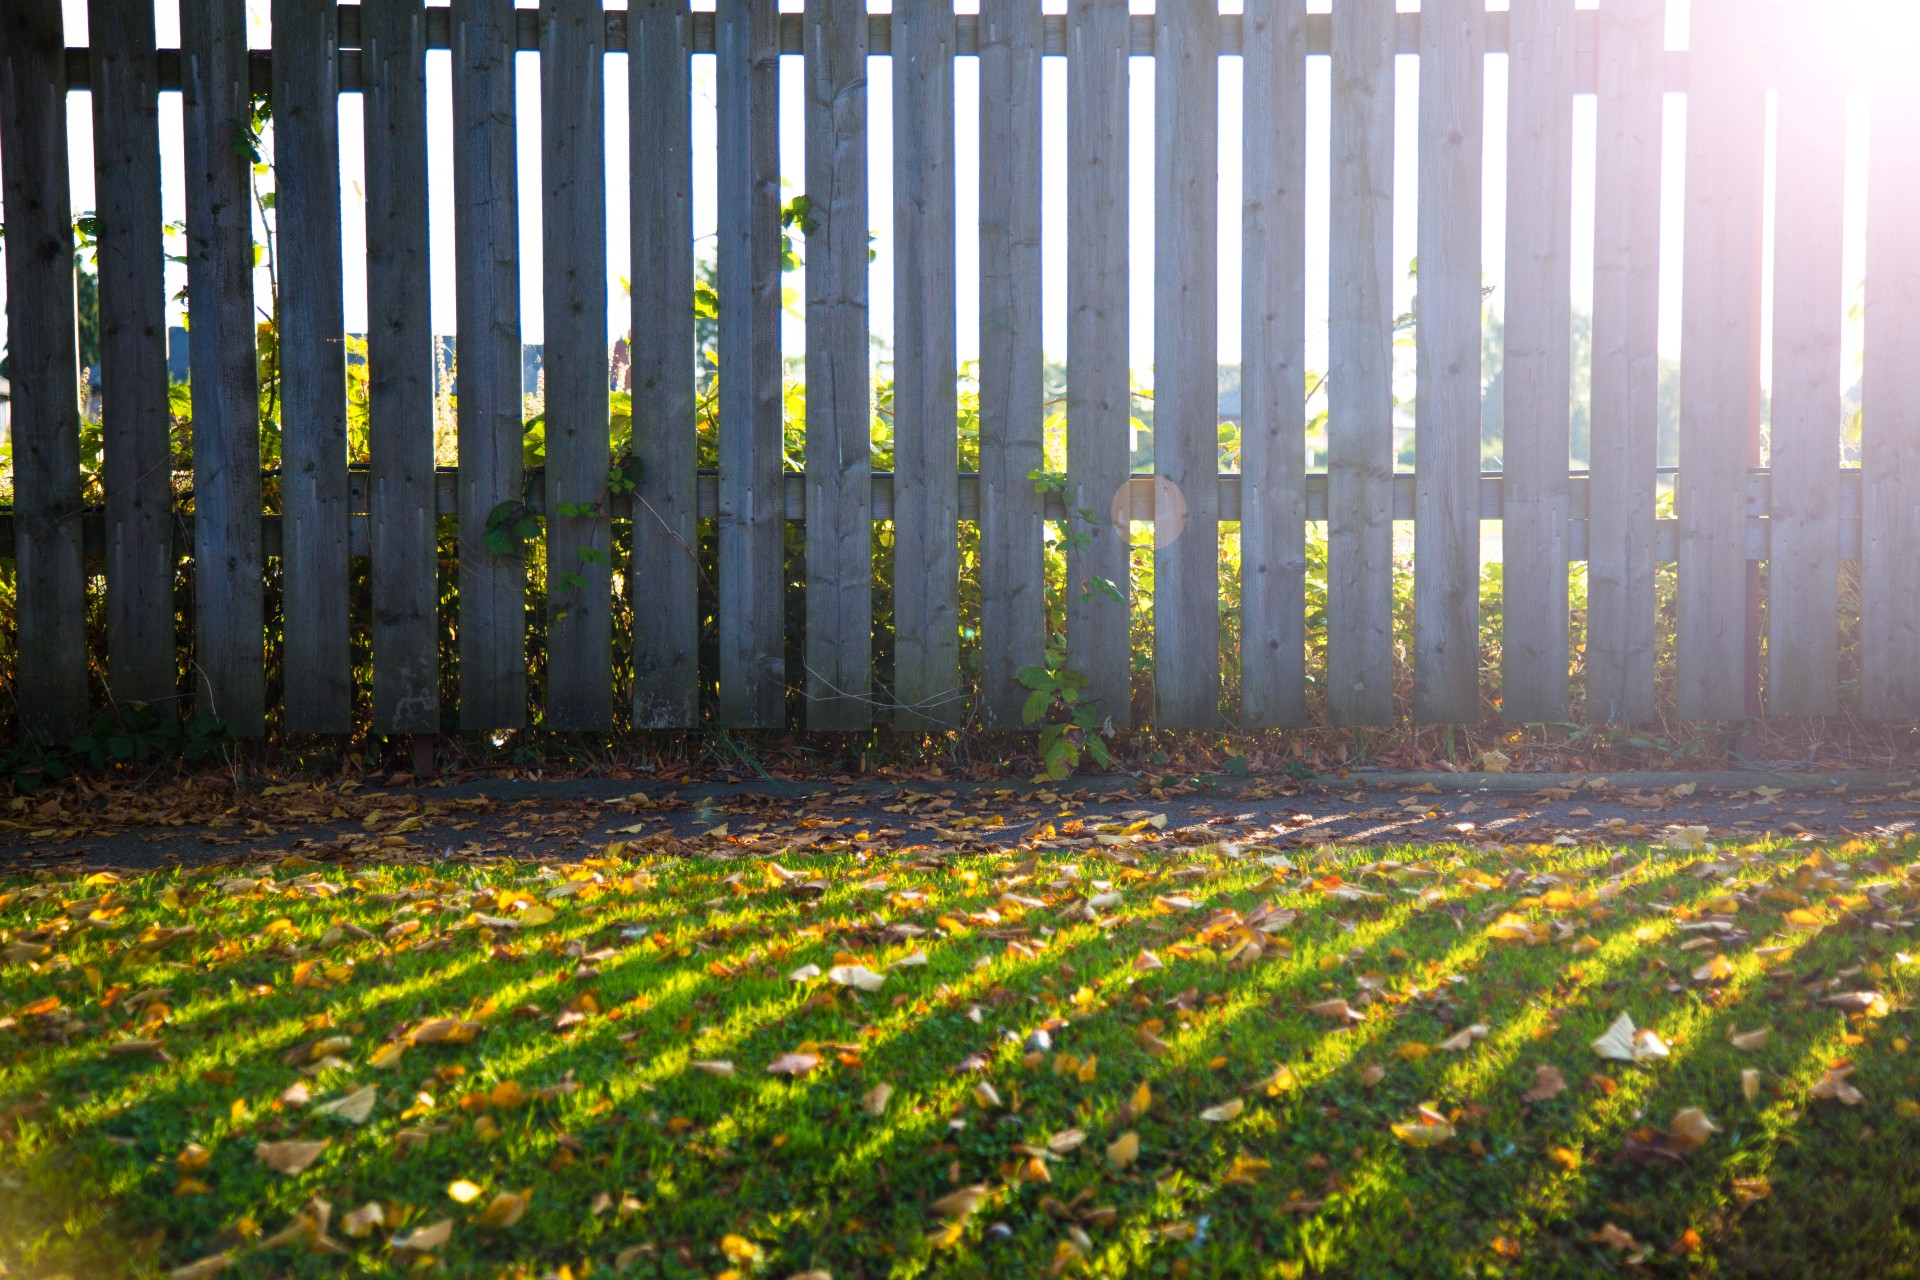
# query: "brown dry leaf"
[1869,1002]
[1336,1011]
[289,1157]
[193,1157]
[1373,1073]
[211,1265]
[1691,1127]
[504,1210]
[354,1107]
[1717,969]
[874,1101]
[1547,1083]
[793,1064]
[1124,1150]
[955,1206]
[856,975]
[714,1066]
[1066,1140]
[1750,1084]
[1463,1039]
[1835,1085]
[361,1222]
[1225,1111]
[1748,1041]
[425,1239]
[1614,1238]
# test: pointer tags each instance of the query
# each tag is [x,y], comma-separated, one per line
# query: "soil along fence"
[708,563]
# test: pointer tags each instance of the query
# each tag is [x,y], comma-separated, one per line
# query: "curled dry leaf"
[211,1265]
[793,1064]
[1430,1129]
[1547,1083]
[805,973]
[1691,1127]
[504,1210]
[909,960]
[192,1158]
[986,1096]
[1464,1038]
[1750,1084]
[463,1192]
[361,1222]
[1336,1011]
[425,1239]
[1225,1111]
[713,1066]
[955,1206]
[1614,1238]
[1372,1074]
[1835,1085]
[1124,1150]
[1718,969]
[289,1157]
[1147,962]
[1623,1043]
[856,975]
[1748,1041]
[1871,1002]
[1066,1140]
[874,1101]
[354,1107]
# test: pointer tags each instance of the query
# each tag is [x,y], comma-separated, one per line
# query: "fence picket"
[1012,387]
[1719,344]
[926,585]
[1804,518]
[315,651]
[1360,341]
[839,639]
[1626,363]
[486,252]
[406,659]
[44,361]
[1273,341]
[1890,431]
[1186,374]
[1537,361]
[666,633]
[573,171]
[135,419]
[228,648]
[1446,595]
[1099,398]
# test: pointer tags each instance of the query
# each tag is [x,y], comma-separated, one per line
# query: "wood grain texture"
[1360,391]
[1186,373]
[573,171]
[316,649]
[1808,305]
[1719,373]
[406,657]
[1890,431]
[1012,390]
[839,637]
[926,587]
[665,527]
[1626,363]
[491,405]
[44,362]
[1446,549]
[1273,425]
[1099,399]
[135,419]
[752,575]
[229,648]
[1538,361]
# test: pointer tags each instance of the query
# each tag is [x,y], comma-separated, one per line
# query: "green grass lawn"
[1115,1060]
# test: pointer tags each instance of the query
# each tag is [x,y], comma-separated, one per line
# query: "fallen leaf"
[1430,1130]
[1373,1073]
[361,1222]
[425,1239]
[504,1210]
[856,975]
[805,973]
[1715,970]
[211,1265]
[193,1157]
[289,1157]
[1625,1044]
[1336,1011]
[1494,761]
[957,1205]
[1547,1083]
[793,1064]
[1223,1112]
[1464,1039]
[1748,1041]
[874,1100]
[1066,1140]
[1691,1127]
[463,1191]
[1614,1238]
[1834,1085]
[1146,962]
[1750,1084]
[354,1107]
[1868,1002]
[1124,1150]
[713,1066]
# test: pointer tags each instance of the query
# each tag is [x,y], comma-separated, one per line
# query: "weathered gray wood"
[44,359]
[1538,360]
[1099,397]
[406,667]
[228,642]
[926,585]
[1273,342]
[488,385]
[1186,372]
[752,573]
[839,639]
[1719,378]
[1012,391]
[1360,391]
[1626,363]
[491,405]
[1804,573]
[665,529]
[573,170]
[316,646]
[135,421]
[1890,398]
[1446,549]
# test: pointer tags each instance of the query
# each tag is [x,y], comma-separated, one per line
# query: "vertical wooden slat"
[133,352]
[1719,383]
[1626,362]
[1186,374]
[1446,587]
[665,529]
[490,404]
[1273,510]
[573,168]
[1537,361]
[926,495]
[1890,431]
[752,577]
[1804,574]
[315,650]
[43,351]
[1012,391]
[229,650]
[406,686]
[1360,390]
[1099,406]
[839,638]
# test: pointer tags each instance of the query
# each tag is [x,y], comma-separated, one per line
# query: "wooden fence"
[1803,517]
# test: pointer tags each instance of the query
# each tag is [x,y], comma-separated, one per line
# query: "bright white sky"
[967,144]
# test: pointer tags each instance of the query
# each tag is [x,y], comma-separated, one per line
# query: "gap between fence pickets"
[1140,497]
[880,42]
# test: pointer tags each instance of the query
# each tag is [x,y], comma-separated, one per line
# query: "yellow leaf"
[193,1157]
[1424,1133]
[463,1191]
[537,914]
[1142,1099]
[1412,1051]
[1124,1150]
[1566,1157]
[1085,1071]
[504,1210]
[1223,1112]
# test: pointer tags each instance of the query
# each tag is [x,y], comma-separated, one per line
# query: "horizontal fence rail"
[734,618]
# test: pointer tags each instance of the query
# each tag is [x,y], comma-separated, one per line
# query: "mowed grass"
[157,1023]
